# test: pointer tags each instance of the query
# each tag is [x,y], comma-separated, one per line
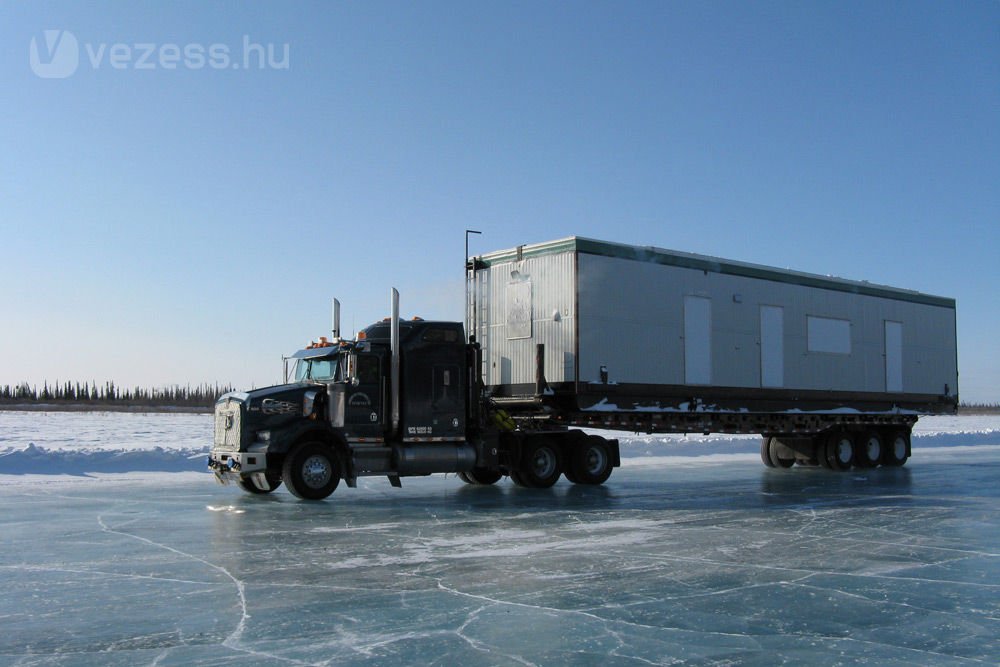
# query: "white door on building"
[697,340]
[772,346]
[893,356]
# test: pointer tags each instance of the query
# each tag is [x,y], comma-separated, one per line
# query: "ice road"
[681,561]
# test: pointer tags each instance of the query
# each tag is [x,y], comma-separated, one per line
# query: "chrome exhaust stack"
[394,368]
[336,320]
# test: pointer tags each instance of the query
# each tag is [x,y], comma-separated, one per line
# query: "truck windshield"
[320,370]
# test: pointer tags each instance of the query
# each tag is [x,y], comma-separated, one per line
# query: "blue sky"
[171,225]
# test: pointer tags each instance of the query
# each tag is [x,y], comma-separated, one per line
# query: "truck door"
[363,415]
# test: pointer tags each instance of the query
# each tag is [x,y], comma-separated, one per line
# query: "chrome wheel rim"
[316,471]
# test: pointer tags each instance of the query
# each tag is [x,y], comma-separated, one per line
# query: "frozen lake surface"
[678,559]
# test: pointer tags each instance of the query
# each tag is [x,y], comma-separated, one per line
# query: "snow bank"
[80,444]
[67,443]
[39,460]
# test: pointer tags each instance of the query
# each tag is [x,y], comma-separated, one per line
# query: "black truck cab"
[342,393]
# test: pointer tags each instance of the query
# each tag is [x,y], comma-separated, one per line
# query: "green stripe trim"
[710,264]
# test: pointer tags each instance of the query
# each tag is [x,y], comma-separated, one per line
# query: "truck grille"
[227,426]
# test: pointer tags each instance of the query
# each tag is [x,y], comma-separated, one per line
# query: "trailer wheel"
[765,452]
[774,452]
[591,463]
[540,466]
[312,471]
[272,481]
[839,451]
[870,450]
[481,476]
[896,449]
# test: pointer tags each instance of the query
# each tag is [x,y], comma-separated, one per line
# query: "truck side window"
[368,369]
[440,336]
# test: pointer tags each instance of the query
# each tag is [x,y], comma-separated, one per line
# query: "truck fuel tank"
[432,457]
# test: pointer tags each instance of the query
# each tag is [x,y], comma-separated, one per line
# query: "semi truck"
[576,334]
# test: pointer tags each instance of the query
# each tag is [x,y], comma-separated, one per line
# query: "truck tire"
[591,462]
[897,447]
[570,475]
[248,484]
[540,465]
[774,452]
[480,476]
[870,446]
[765,452]
[840,449]
[312,471]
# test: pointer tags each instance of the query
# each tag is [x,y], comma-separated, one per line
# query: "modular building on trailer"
[647,330]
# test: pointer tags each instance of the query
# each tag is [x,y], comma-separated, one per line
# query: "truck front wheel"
[312,471]
[251,483]
[481,476]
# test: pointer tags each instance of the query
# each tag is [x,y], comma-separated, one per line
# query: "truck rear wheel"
[312,471]
[272,481]
[540,465]
[591,462]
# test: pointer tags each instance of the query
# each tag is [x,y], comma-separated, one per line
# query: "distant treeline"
[202,395]
[979,408]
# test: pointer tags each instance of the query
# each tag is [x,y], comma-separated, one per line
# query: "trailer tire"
[591,462]
[250,486]
[765,451]
[839,454]
[870,450]
[774,453]
[312,470]
[540,465]
[897,448]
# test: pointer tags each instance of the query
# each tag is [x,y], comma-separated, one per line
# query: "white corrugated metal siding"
[631,321]
[509,342]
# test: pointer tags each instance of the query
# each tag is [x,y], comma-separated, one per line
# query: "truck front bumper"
[231,466]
